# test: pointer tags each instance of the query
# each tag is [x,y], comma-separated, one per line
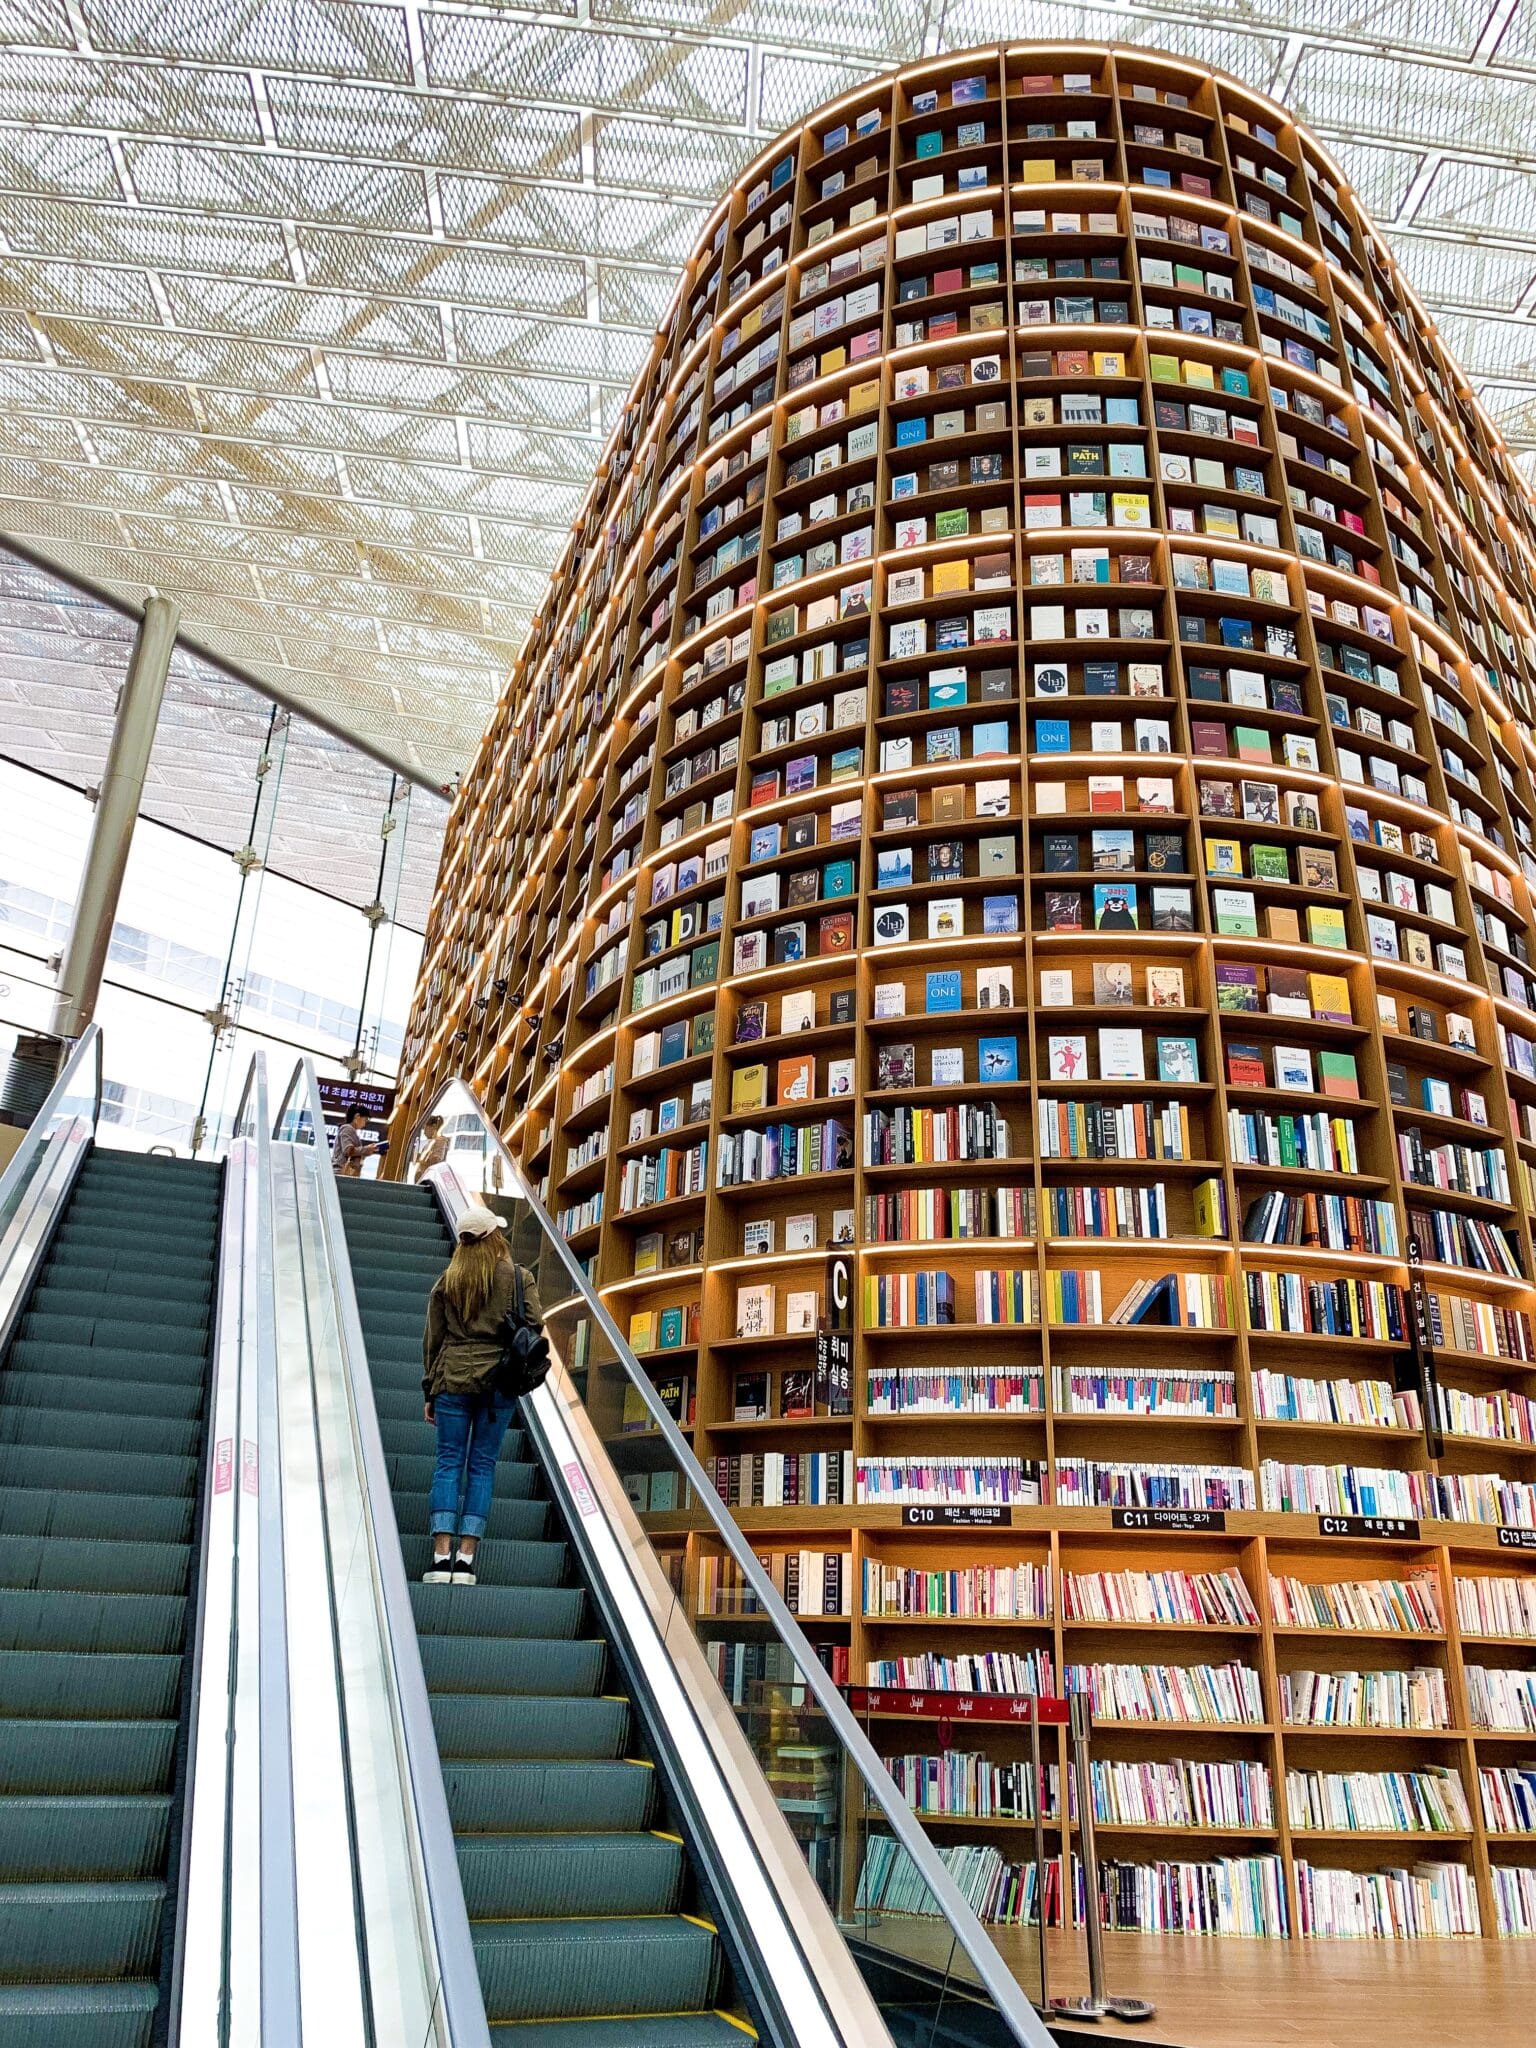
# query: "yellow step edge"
[732,2021]
[694,1920]
[662,1835]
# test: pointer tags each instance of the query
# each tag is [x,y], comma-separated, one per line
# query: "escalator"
[589,1922]
[102,1395]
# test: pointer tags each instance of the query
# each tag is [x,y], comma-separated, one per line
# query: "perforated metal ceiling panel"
[316,313]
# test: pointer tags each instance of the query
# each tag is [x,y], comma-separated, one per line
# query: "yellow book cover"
[642,1330]
[1201,374]
[1210,1209]
[1223,857]
[1325,925]
[1330,997]
[951,576]
[751,320]
[864,397]
[1039,170]
[834,359]
[1108,362]
[1131,509]
[749,1087]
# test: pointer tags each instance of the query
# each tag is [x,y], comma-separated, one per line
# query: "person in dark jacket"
[461,1349]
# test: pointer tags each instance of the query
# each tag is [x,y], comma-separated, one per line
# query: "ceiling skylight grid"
[317,313]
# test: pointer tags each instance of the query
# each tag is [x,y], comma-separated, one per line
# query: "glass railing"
[923,1950]
[235,1981]
[40,1173]
[380,1892]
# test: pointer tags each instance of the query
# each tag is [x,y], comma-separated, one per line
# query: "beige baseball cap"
[478,1221]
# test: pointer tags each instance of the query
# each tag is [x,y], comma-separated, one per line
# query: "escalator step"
[78,1324]
[85,1840]
[545,1877]
[78,1931]
[38,1684]
[503,1564]
[25,1464]
[91,1621]
[537,1798]
[86,1756]
[652,2030]
[57,1297]
[490,1611]
[470,1725]
[180,1400]
[577,1969]
[77,1429]
[118,2015]
[60,1511]
[136,1281]
[114,1253]
[103,1362]
[512,1521]
[80,1565]
[505,1664]
[409,1473]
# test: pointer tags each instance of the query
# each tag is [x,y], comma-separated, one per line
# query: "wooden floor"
[1315,1994]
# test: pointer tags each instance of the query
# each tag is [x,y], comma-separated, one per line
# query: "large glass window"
[275,892]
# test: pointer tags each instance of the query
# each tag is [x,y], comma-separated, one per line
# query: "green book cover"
[1269,863]
[1251,743]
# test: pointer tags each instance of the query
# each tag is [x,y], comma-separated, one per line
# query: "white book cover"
[1121,1056]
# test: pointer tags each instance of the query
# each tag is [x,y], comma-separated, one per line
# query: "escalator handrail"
[954,1908]
[242,1476]
[42,1130]
[446,1918]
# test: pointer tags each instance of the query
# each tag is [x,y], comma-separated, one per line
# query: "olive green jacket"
[459,1358]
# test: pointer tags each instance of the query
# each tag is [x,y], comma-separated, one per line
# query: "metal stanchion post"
[1096,2004]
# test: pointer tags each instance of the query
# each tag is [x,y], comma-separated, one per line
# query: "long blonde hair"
[472,1271]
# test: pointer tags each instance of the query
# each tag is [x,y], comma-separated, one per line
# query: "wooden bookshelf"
[1025,772]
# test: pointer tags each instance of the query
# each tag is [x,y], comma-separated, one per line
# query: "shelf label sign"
[1400,1527]
[1516,1539]
[958,1515]
[1168,1518]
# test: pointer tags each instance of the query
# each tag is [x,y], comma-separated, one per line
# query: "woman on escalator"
[482,1296]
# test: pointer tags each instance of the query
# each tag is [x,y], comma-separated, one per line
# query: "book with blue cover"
[997,1059]
[1053,736]
[942,992]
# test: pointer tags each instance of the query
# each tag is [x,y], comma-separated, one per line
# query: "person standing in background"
[352,1148]
[434,1146]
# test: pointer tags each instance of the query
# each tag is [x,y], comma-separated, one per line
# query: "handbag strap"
[519,1307]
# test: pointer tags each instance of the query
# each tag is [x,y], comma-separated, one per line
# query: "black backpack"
[524,1362]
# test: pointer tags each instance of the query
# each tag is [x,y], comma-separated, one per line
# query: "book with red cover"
[1245,1066]
[834,933]
[1208,736]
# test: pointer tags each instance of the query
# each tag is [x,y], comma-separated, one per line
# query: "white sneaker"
[464,1571]
[439,1572]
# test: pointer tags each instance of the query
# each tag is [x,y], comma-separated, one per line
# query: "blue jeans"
[469,1434]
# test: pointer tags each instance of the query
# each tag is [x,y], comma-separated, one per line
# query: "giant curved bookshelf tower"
[1025,767]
